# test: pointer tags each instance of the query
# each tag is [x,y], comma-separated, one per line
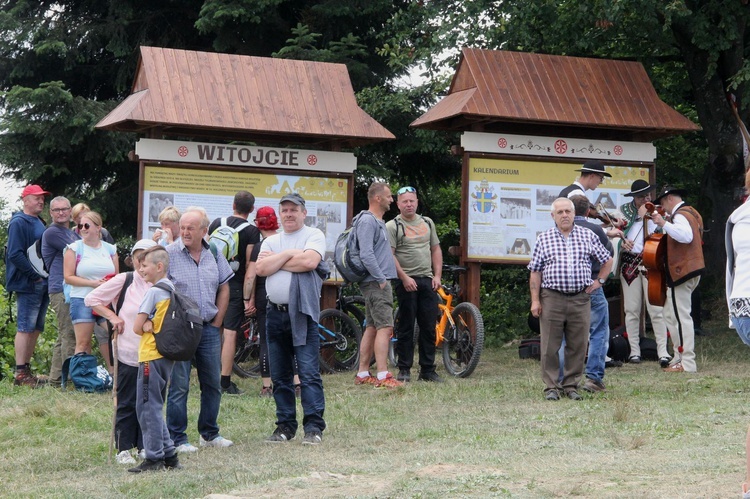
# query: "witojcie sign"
[247,156]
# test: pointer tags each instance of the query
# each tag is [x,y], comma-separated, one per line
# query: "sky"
[10,192]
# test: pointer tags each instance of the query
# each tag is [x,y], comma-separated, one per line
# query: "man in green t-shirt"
[419,263]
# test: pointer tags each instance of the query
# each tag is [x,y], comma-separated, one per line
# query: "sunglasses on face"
[406,189]
[86,226]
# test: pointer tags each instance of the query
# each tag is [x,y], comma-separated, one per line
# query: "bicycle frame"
[445,309]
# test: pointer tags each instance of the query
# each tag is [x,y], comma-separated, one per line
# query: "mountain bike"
[459,329]
[339,341]
[247,351]
[339,344]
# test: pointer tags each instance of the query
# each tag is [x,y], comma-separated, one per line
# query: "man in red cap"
[25,228]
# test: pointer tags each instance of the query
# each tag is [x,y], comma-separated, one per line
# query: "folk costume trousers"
[680,323]
[634,295]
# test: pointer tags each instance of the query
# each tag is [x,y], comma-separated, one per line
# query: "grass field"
[650,435]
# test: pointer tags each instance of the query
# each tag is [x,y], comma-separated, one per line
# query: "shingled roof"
[189,93]
[501,91]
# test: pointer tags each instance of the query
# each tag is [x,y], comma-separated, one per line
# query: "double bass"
[655,258]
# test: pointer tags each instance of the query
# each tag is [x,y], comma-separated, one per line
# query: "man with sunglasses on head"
[54,241]
[419,264]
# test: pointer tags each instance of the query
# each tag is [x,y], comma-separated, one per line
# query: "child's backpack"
[181,329]
[346,254]
[226,240]
[86,375]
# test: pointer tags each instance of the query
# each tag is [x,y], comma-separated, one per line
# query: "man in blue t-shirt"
[55,239]
[21,278]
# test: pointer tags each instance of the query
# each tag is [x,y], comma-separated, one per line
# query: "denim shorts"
[742,325]
[81,313]
[32,308]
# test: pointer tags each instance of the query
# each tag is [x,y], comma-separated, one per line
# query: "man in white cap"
[25,228]
[633,277]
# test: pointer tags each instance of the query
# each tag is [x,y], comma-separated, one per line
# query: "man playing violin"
[684,267]
[592,175]
[633,276]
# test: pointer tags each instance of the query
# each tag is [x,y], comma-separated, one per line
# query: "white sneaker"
[216,442]
[186,448]
[124,457]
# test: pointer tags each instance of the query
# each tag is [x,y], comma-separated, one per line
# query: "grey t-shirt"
[374,248]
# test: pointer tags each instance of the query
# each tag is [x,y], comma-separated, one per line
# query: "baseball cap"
[35,190]
[293,198]
[265,219]
[143,244]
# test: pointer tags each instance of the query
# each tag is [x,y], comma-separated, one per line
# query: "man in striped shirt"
[561,285]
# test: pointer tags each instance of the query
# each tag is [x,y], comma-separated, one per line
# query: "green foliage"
[504,296]
[40,361]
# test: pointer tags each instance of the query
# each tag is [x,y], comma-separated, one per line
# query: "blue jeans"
[281,353]
[208,365]
[598,338]
[742,325]
[32,308]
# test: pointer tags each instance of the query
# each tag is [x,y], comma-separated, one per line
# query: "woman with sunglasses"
[87,264]
[75,214]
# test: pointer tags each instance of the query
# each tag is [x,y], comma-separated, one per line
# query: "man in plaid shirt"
[561,285]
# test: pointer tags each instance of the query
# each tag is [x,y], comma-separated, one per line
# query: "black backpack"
[181,329]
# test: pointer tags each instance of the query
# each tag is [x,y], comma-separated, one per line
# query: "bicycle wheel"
[392,345]
[354,307]
[463,344]
[339,341]
[247,352]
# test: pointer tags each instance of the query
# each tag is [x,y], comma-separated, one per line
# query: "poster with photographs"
[510,202]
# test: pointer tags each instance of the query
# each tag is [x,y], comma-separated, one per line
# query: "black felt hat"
[668,189]
[594,166]
[639,188]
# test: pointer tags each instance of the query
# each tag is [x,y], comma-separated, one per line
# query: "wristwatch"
[602,281]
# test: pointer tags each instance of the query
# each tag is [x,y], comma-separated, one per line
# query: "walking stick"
[114,395]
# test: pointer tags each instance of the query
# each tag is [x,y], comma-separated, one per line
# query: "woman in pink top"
[127,432]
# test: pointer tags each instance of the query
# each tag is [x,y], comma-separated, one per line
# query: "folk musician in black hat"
[592,175]
[633,276]
[684,267]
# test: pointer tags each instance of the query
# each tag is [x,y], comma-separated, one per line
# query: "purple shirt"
[565,262]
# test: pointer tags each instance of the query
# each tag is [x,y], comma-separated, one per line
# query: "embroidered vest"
[685,261]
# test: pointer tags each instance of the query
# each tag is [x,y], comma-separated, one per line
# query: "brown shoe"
[25,378]
[674,368]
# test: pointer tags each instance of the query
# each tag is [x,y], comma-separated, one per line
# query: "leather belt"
[567,294]
[280,307]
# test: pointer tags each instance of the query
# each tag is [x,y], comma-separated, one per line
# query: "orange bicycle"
[459,329]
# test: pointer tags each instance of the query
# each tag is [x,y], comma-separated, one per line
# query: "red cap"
[265,219]
[35,190]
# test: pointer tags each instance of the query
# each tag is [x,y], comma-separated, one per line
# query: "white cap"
[143,244]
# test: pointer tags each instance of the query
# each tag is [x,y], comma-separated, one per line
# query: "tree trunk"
[724,174]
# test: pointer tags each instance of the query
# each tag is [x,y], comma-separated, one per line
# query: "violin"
[603,216]
[654,258]
[652,208]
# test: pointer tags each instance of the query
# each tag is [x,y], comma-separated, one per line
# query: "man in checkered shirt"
[561,285]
